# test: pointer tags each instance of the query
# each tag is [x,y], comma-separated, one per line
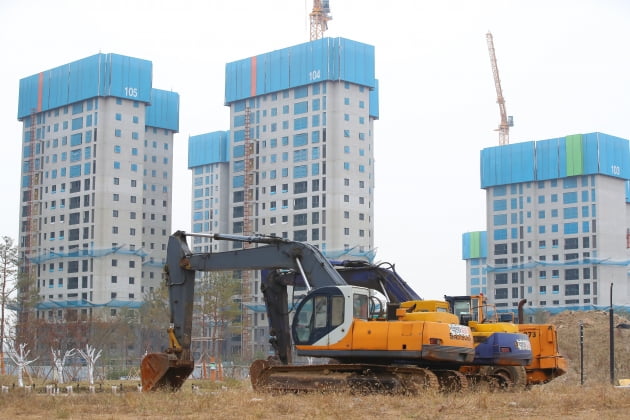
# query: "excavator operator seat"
[392,307]
[465,318]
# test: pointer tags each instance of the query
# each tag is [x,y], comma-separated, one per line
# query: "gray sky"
[564,66]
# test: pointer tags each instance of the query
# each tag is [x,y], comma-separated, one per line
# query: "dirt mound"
[588,318]
[596,344]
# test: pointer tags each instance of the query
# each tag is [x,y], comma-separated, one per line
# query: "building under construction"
[558,232]
[297,161]
[96,185]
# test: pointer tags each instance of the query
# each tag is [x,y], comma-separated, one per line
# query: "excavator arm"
[170,369]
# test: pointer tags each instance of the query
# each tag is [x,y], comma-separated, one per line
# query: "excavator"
[485,323]
[501,350]
[546,364]
[370,345]
[491,330]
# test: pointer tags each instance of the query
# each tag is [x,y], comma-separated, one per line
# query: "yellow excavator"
[366,343]
[488,328]
[546,362]
[501,354]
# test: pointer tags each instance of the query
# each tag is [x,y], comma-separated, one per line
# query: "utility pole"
[612,338]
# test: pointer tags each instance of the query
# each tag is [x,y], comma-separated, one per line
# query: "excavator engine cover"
[158,370]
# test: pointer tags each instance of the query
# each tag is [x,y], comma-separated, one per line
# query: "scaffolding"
[247,275]
[31,211]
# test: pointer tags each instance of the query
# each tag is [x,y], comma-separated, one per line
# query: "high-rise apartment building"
[558,218]
[298,159]
[96,185]
[209,160]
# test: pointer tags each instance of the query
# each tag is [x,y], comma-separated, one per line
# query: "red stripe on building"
[40,91]
[252,76]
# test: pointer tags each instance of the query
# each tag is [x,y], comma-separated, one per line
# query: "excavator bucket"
[161,371]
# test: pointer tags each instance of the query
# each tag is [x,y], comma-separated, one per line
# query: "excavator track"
[356,378]
[487,382]
[510,378]
[451,380]
[499,380]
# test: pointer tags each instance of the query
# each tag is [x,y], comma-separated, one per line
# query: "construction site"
[275,294]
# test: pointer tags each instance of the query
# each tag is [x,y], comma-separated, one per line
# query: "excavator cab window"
[360,306]
[337,311]
[462,309]
[303,322]
[321,311]
[477,309]
[317,316]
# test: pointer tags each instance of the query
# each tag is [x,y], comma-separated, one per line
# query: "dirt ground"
[560,401]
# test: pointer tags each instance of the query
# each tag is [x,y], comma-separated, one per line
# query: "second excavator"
[501,352]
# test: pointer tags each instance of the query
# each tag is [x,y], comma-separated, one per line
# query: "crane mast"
[319,18]
[506,122]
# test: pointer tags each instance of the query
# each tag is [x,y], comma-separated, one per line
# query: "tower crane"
[506,122]
[319,18]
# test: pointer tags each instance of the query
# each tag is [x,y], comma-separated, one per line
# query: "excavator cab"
[324,315]
[464,312]
[318,315]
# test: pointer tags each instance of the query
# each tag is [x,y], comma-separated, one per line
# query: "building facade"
[96,185]
[475,252]
[557,224]
[298,159]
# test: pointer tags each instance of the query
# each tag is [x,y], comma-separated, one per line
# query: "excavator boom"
[171,368]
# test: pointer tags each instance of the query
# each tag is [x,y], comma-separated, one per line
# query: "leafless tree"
[217,309]
[154,320]
[90,359]
[8,268]
[59,362]
[20,359]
